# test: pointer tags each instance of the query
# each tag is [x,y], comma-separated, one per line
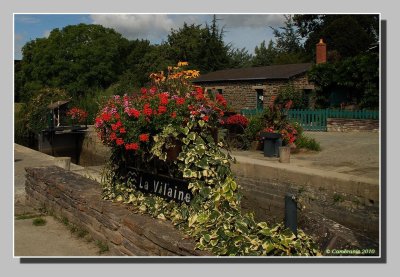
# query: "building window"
[219,90]
[260,99]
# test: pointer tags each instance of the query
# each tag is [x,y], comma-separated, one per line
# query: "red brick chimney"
[321,52]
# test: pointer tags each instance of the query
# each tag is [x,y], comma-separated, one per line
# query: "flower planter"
[272,142]
[267,135]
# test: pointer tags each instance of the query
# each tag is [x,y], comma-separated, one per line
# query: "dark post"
[291,213]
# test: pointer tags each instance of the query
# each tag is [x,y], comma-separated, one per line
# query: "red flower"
[153,90]
[288,105]
[116,116]
[122,130]
[147,110]
[237,119]
[180,101]
[119,141]
[113,136]
[106,116]
[116,125]
[173,114]
[132,146]
[144,137]
[163,98]
[220,99]
[143,91]
[134,112]
[205,118]
[162,109]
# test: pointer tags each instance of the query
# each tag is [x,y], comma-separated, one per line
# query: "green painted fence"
[315,120]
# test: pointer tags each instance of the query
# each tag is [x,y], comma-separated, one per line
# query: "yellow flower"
[182,64]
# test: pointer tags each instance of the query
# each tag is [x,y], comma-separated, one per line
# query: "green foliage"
[214,216]
[33,117]
[307,143]
[202,47]
[102,247]
[359,74]
[290,93]
[91,101]
[75,58]
[256,124]
[239,58]
[264,56]
[346,34]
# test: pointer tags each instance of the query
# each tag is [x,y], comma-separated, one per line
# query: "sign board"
[160,185]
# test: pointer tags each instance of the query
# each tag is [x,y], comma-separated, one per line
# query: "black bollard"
[291,213]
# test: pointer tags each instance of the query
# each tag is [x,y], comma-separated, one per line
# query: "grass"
[102,246]
[27,216]
[82,233]
[39,221]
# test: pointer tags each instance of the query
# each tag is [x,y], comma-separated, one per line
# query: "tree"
[346,34]
[286,49]
[287,38]
[289,48]
[77,58]
[239,58]
[264,56]
[358,75]
[202,47]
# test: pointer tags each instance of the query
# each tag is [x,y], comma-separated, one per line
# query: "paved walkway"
[352,153]
[52,239]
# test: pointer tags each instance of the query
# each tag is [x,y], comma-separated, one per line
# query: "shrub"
[255,125]
[307,143]
[290,93]
[36,113]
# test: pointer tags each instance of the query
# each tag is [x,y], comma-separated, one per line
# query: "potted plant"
[77,117]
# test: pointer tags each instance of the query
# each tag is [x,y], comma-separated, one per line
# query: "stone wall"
[92,151]
[78,199]
[243,94]
[348,125]
[349,200]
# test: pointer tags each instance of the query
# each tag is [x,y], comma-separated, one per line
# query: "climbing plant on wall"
[213,217]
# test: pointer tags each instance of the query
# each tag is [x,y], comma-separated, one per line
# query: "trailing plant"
[213,217]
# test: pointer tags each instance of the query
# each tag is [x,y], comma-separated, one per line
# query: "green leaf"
[192,219]
[201,123]
[191,136]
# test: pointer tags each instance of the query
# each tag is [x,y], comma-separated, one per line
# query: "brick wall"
[78,199]
[348,125]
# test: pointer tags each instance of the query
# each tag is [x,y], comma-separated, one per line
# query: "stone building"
[255,87]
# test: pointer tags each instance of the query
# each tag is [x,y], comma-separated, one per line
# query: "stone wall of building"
[243,94]
[349,125]
[78,199]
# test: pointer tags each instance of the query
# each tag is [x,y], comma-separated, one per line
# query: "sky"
[241,30]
